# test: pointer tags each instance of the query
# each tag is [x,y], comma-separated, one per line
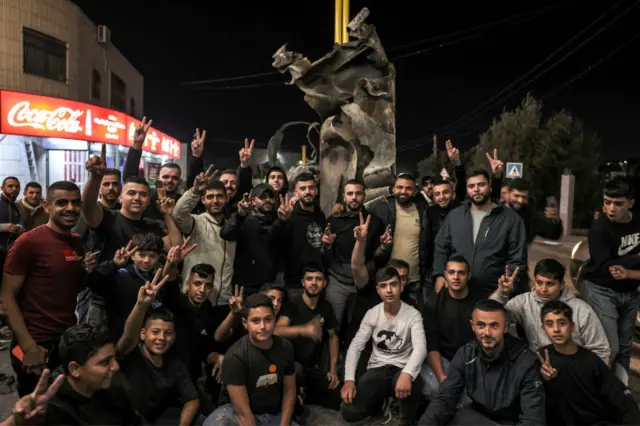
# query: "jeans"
[337,294]
[465,416]
[431,385]
[225,416]
[371,390]
[315,383]
[27,382]
[617,312]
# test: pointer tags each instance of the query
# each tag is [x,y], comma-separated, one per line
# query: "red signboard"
[33,115]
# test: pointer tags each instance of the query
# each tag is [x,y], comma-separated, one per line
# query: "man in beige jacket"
[204,230]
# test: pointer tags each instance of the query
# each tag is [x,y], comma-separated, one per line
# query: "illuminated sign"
[33,115]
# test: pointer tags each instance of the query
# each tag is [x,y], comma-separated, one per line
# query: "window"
[96,85]
[118,94]
[44,56]
[132,107]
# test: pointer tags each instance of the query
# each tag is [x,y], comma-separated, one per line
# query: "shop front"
[47,139]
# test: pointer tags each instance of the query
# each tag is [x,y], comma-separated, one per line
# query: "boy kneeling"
[399,349]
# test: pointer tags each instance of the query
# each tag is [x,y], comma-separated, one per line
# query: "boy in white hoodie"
[524,309]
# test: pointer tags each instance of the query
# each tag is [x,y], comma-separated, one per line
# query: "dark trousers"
[315,387]
[373,387]
[28,382]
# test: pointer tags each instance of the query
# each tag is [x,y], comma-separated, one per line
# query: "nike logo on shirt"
[628,243]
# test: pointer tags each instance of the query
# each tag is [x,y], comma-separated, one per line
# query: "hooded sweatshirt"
[204,230]
[524,309]
[285,184]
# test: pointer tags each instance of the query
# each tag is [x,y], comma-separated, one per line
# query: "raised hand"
[35,404]
[507,281]
[246,152]
[149,290]
[166,205]
[453,153]
[546,369]
[386,239]
[90,261]
[360,232]
[285,209]
[497,166]
[236,301]
[97,165]
[337,209]
[203,180]
[245,205]
[140,134]
[313,330]
[122,256]
[197,144]
[178,253]
[327,237]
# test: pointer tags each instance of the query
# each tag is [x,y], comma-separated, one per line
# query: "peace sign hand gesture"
[245,205]
[497,166]
[386,239]
[122,256]
[97,165]
[285,209]
[149,290]
[197,144]
[327,237]
[546,370]
[360,232]
[453,153]
[178,253]
[235,303]
[35,404]
[202,181]
[507,281]
[140,134]
[246,152]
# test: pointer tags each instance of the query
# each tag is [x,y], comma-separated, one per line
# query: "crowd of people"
[221,302]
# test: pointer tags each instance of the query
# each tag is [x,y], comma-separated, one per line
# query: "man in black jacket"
[258,242]
[499,373]
[488,235]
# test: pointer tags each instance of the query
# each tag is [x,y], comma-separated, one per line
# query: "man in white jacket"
[204,230]
[399,349]
[524,309]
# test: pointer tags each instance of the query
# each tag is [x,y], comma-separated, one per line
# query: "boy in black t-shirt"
[154,378]
[311,325]
[258,373]
[580,388]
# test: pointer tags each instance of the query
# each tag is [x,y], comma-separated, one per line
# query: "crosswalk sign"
[514,170]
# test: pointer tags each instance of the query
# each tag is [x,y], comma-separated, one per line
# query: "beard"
[403,200]
[484,200]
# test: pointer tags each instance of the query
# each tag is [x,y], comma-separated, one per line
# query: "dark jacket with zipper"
[259,246]
[507,390]
[501,241]
[9,213]
[386,211]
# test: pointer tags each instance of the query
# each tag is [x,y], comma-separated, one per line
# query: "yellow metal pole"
[304,156]
[345,21]
[338,22]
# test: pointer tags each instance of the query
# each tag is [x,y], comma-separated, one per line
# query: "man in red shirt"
[43,274]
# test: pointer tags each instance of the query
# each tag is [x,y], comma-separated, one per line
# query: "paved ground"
[319,416]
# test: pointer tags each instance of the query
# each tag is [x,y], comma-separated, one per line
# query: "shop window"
[132,107]
[96,85]
[44,56]
[118,93]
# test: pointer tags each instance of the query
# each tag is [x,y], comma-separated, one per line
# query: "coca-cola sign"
[33,115]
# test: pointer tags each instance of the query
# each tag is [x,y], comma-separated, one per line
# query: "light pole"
[341,21]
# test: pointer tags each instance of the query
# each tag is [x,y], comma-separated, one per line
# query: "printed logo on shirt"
[388,341]
[203,332]
[273,368]
[314,235]
[72,256]
[156,304]
[628,243]
[267,380]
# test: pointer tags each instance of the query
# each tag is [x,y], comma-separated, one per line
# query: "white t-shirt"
[399,341]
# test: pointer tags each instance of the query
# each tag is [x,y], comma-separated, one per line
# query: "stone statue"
[352,89]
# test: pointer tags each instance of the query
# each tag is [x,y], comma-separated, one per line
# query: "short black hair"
[162,314]
[148,241]
[550,268]
[112,172]
[203,270]
[257,300]
[267,287]
[61,185]
[479,172]
[35,185]
[519,184]
[216,184]
[312,267]
[229,172]
[557,307]
[619,187]
[398,263]
[80,342]
[138,180]
[459,259]
[303,177]
[426,178]
[9,178]
[171,166]
[489,305]
[387,273]
[406,176]
[443,182]
[353,182]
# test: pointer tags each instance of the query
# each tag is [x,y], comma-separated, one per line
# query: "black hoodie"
[301,236]
[285,184]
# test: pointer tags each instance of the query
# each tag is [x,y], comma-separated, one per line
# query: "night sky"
[437,85]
